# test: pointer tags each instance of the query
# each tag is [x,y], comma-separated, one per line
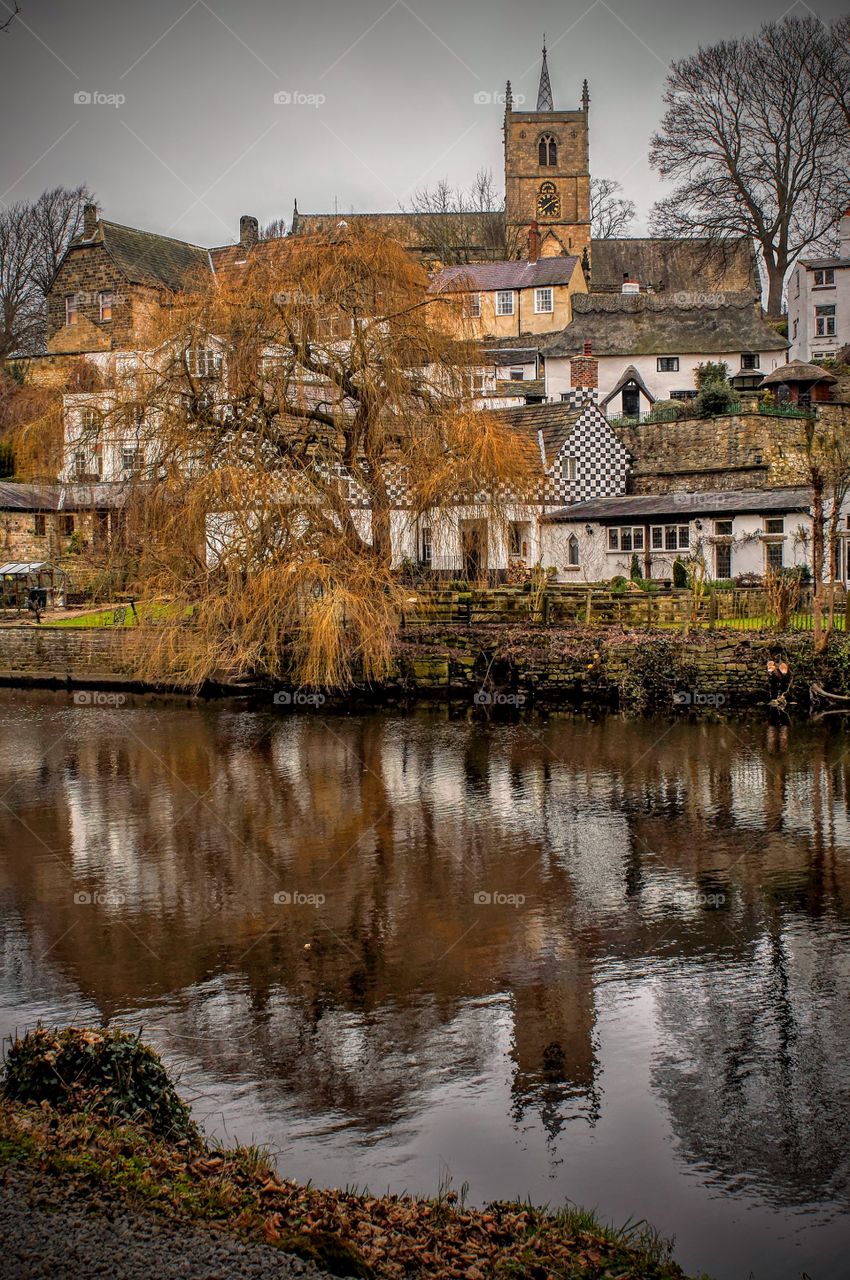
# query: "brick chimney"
[249,231]
[533,242]
[89,221]
[584,370]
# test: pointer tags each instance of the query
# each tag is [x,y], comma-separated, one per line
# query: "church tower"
[547,174]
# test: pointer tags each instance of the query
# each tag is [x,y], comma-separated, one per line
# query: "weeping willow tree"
[291,416]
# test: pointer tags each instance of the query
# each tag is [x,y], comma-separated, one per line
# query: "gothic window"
[547,151]
[572,551]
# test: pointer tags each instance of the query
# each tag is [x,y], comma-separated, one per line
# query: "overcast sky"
[385,96]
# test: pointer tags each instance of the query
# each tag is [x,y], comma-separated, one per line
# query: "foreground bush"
[107,1071]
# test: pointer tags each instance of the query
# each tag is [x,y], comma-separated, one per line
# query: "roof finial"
[544,92]
[509,98]
[585,97]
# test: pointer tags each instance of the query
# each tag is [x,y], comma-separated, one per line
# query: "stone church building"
[547,179]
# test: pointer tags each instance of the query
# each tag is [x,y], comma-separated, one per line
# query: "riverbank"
[232,1216]
[485,666]
[85,1162]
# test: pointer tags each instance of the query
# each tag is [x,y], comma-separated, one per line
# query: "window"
[505,302]
[425,544]
[774,555]
[723,560]
[543,301]
[572,551]
[683,395]
[630,538]
[667,364]
[106,305]
[203,362]
[517,375]
[825,322]
[474,305]
[824,277]
[66,526]
[132,459]
[750,360]
[774,524]
[40,526]
[89,419]
[547,151]
[670,537]
[723,528]
[71,309]
[796,326]
[569,468]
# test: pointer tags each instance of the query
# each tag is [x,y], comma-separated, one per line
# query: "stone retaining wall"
[517,665]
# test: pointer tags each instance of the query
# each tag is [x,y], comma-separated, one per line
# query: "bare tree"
[291,413]
[33,238]
[7,22]
[611,214]
[274,230]
[757,146]
[458,225]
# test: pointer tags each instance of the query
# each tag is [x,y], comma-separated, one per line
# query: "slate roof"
[551,425]
[673,266]
[487,276]
[712,502]
[646,324]
[59,497]
[143,257]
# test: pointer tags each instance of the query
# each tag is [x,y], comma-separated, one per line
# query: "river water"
[600,961]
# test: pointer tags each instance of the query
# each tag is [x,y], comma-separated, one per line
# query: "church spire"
[544,92]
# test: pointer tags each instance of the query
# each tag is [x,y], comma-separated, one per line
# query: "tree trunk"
[820,639]
[775,281]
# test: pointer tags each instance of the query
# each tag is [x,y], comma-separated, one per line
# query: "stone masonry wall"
[736,451]
[515,665]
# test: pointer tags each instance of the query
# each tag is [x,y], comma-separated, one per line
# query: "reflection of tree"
[616,834]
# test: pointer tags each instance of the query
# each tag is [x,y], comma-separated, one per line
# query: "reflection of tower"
[553,1043]
[547,172]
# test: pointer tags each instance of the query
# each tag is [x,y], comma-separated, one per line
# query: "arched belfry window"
[547,150]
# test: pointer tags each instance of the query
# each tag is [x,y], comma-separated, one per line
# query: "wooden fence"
[739,608]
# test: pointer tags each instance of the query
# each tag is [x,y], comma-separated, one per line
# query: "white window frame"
[475,305]
[827,277]
[667,364]
[669,537]
[504,302]
[754,358]
[544,300]
[132,458]
[628,538]
[72,308]
[569,469]
[203,362]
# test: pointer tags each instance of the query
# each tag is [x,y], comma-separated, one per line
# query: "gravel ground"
[51,1232]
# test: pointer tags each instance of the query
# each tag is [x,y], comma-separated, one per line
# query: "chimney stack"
[249,231]
[630,284]
[584,370]
[89,221]
[533,242]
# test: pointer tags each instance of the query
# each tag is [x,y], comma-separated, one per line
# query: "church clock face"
[548,201]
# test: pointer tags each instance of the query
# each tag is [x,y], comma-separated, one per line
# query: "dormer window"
[203,362]
[547,151]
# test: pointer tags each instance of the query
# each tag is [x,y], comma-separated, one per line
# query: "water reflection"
[370,925]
